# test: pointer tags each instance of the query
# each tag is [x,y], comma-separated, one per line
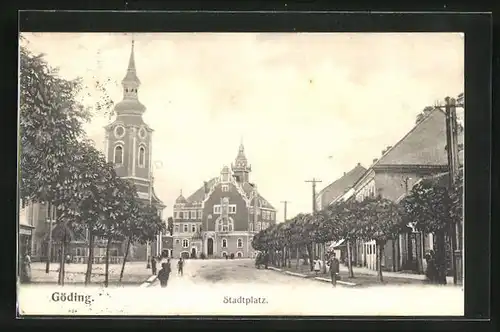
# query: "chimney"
[374,160]
[359,164]
[388,148]
[205,186]
[345,173]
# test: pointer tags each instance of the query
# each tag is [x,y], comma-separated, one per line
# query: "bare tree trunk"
[349,259]
[441,257]
[60,279]
[125,258]
[309,248]
[90,258]
[49,243]
[323,258]
[297,258]
[106,273]
[289,257]
[380,252]
[394,260]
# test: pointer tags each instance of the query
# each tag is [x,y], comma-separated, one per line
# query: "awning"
[336,244]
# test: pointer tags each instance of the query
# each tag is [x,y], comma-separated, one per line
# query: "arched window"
[142,156]
[224,243]
[225,225]
[185,243]
[239,254]
[239,243]
[118,158]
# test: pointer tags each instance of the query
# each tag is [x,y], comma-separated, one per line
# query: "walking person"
[164,274]
[180,267]
[317,265]
[334,269]
[154,261]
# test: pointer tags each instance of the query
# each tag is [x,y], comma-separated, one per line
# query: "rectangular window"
[225,188]
[193,228]
[176,229]
[193,214]
[251,227]
[258,227]
[176,215]
[216,209]
[180,215]
[200,214]
[177,241]
[232,208]
[186,228]
[186,215]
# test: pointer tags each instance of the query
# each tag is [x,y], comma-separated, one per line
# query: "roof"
[199,195]
[339,186]
[131,75]
[423,145]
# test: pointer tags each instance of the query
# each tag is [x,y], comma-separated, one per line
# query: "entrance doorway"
[210,247]
[193,252]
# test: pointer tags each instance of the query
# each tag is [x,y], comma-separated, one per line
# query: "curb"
[346,283]
[148,282]
[338,281]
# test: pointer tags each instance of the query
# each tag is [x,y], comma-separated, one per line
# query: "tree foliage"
[50,125]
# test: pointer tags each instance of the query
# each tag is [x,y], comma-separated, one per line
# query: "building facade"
[221,218]
[128,145]
[420,154]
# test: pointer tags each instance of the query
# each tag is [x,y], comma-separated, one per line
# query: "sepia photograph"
[167,174]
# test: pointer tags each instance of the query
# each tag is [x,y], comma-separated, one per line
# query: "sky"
[305,105]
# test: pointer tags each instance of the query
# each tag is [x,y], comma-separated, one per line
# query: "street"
[289,295]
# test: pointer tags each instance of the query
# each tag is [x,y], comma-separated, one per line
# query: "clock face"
[119,131]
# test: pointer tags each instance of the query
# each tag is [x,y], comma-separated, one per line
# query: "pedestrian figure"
[153,264]
[334,269]
[164,274]
[317,265]
[431,271]
[26,268]
[180,267]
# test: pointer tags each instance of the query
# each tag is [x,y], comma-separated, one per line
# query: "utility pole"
[314,181]
[453,164]
[286,205]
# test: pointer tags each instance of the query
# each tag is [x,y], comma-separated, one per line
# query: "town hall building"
[222,216]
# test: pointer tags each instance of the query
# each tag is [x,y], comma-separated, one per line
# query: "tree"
[49,112]
[347,216]
[433,208]
[383,222]
[85,194]
[170,226]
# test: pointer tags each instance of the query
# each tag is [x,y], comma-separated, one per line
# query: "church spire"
[130,83]
[131,76]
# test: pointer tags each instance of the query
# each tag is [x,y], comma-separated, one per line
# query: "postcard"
[166,174]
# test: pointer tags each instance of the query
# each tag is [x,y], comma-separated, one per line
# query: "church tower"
[241,168]
[128,139]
